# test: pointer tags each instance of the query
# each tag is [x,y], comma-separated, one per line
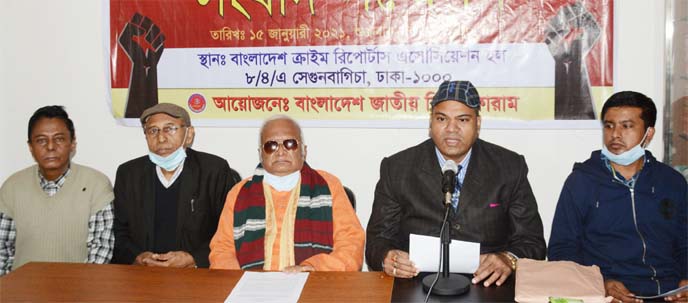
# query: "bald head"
[282,120]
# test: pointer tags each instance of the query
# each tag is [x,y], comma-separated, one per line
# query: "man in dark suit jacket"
[168,204]
[493,204]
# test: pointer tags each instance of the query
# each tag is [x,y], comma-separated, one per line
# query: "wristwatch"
[513,260]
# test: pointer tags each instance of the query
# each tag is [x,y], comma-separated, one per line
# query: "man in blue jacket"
[624,211]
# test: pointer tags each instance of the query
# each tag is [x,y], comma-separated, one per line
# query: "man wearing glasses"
[287,216]
[167,204]
[56,210]
[493,203]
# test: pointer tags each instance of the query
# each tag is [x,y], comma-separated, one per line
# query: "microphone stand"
[446,284]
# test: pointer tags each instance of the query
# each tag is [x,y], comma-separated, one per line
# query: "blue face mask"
[627,157]
[172,161]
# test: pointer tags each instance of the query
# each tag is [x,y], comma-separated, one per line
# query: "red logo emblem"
[196,103]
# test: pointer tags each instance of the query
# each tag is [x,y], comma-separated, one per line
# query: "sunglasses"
[270,147]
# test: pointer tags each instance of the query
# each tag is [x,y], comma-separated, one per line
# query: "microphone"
[444,283]
[449,170]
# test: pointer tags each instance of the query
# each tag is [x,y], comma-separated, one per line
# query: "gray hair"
[302,140]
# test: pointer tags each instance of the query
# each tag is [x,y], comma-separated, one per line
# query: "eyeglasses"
[167,130]
[270,147]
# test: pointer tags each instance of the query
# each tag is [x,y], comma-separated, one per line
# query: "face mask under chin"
[629,156]
[171,161]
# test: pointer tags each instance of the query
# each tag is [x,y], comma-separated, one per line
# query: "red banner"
[573,31]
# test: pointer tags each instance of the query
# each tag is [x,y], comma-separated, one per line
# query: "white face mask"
[629,156]
[283,183]
[172,161]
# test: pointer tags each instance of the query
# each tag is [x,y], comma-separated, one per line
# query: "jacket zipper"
[642,239]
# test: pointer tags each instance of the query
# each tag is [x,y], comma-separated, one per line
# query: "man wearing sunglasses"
[287,216]
[167,204]
[493,203]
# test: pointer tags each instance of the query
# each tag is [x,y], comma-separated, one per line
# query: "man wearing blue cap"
[493,202]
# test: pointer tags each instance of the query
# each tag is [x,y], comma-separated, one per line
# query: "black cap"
[461,91]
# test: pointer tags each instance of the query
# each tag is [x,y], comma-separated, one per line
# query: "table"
[411,290]
[73,282]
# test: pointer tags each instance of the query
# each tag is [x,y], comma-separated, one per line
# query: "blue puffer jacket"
[638,235]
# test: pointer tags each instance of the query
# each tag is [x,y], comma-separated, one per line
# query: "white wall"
[51,52]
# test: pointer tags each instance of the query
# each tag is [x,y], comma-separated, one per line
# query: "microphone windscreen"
[450,165]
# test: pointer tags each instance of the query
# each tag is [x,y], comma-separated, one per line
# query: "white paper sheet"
[268,287]
[464,257]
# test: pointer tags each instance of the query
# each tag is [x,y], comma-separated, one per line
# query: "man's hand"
[619,292]
[143,258]
[680,297]
[179,259]
[397,264]
[494,268]
[298,268]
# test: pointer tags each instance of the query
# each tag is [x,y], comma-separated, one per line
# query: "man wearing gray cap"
[493,203]
[168,203]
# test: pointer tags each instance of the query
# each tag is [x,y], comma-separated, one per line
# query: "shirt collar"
[464,163]
[52,187]
[629,183]
[167,183]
